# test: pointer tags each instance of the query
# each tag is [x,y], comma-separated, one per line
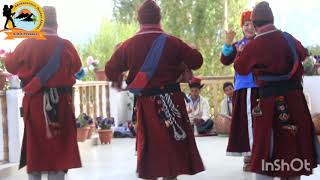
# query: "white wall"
[311,85]
[15,124]
[1,135]
[119,105]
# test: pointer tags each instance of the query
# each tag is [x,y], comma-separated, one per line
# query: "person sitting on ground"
[226,104]
[198,108]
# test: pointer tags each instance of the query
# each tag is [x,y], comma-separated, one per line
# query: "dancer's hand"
[230,37]
[240,48]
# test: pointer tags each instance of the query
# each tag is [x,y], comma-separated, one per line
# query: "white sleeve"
[205,109]
[187,105]
[224,107]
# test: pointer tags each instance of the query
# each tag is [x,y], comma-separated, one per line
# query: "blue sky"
[300,18]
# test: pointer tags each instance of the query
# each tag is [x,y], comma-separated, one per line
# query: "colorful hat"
[195,82]
[245,16]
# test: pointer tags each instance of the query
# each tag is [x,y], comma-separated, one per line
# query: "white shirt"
[226,107]
[200,109]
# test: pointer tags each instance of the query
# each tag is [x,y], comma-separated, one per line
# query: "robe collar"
[50,32]
[150,28]
[267,29]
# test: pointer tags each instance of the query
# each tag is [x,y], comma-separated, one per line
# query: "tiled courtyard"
[117,162]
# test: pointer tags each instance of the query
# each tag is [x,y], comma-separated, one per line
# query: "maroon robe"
[60,152]
[240,131]
[270,54]
[159,154]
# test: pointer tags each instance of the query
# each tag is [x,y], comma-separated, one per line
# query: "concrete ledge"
[10,169]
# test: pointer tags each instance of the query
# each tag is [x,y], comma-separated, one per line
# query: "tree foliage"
[102,45]
[309,63]
[200,22]
[315,50]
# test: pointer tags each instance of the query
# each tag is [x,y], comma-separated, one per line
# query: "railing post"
[87,99]
[4,129]
[107,100]
[94,97]
[81,99]
[100,100]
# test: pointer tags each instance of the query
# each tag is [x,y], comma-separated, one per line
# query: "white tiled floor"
[117,162]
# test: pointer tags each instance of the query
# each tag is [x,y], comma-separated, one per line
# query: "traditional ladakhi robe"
[243,100]
[39,152]
[270,54]
[160,153]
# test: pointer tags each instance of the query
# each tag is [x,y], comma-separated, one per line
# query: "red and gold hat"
[245,16]
[195,82]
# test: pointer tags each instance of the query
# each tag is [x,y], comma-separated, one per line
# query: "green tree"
[199,22]
[315,50]
[102,45]
[309,64]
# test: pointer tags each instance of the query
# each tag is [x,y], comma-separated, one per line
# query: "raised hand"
[230,37]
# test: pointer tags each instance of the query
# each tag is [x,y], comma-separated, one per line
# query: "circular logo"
[27,15]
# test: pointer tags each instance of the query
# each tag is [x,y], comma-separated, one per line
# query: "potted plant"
[90,124]
[104,129]
[83,127]
[93,65]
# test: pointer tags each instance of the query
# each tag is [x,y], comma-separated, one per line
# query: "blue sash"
[46,72]
[52,66]
[149,66]
[292,44]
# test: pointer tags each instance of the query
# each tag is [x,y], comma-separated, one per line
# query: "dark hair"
[227,84]
[262,23]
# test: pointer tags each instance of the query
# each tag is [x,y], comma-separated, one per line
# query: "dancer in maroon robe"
[244,97]
[50,143]
[165,143]
[283,128]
